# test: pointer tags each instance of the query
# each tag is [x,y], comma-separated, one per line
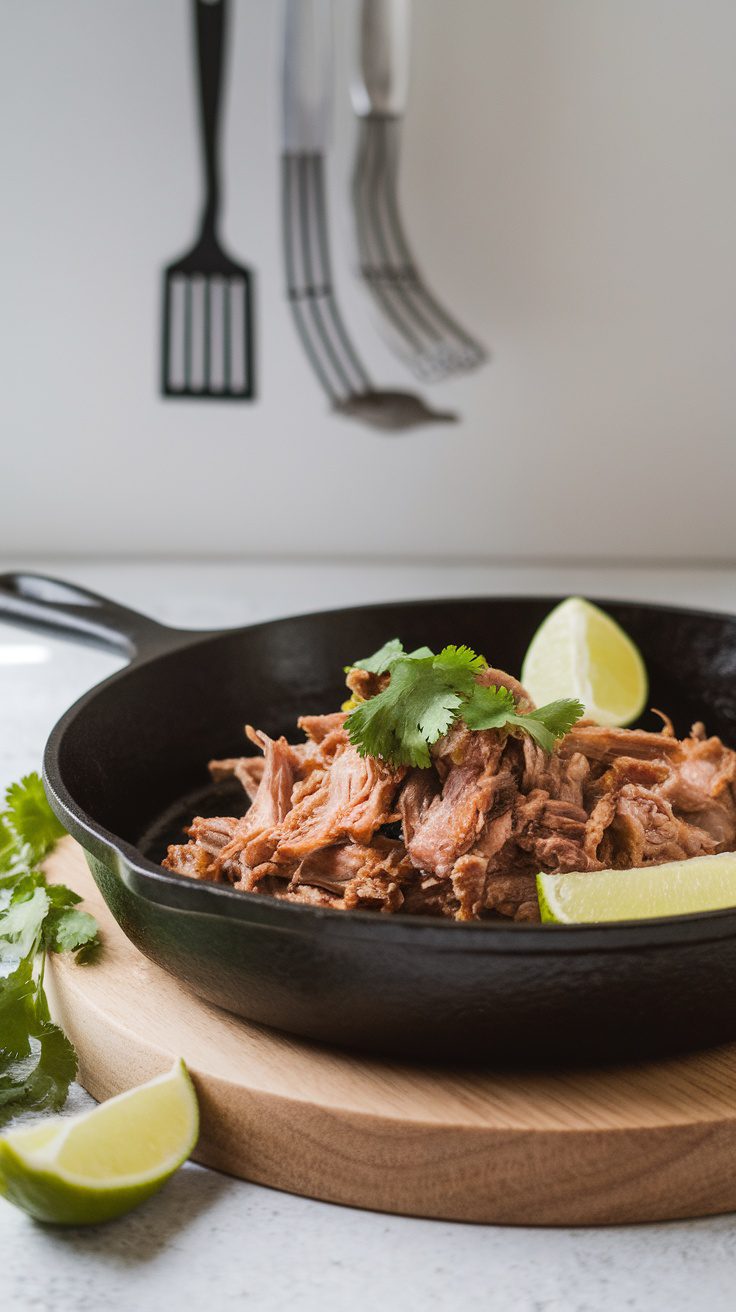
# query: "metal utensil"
[414,323]
[307,102]
[207,337]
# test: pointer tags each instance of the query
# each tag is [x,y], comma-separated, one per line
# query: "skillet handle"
[66,609]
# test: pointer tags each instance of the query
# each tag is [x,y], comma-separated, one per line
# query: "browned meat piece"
[602,801]
[701,785]
[469,881]
[513,896]
[192,860]
[598,825]
[535,832]
[377,892]
[600,744]
[331,868]
[668,728]
[363,684]
[473,873]
[480,887]
[695,780]
[309,894]
[326,738]
[319,727]
[497,843]
[635,827]
[447,825]
[429,896]
[352,799]
[335,867]
[200,857]
[248,770]
[251,843]
[354,875]
[384,872]
[419,791]
[563,777]
[629,770]
[529,910]
[212,833]
[552,832]
[324,733]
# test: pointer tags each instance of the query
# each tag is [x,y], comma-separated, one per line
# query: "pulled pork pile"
[466,837]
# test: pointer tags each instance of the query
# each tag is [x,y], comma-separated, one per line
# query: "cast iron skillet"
[125,768]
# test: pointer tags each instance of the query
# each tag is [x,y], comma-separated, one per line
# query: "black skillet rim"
[523,938]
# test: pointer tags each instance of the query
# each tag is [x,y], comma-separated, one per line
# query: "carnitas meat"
[466,837]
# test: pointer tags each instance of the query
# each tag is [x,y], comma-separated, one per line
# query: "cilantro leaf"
[8,844]
[401,722]
[61,896]
[21,923]
[30,816]
[418,706]
[17,1010]
[379,662]
[386,656]
[462,665]
[495,708]
[56,1067]
[488,708]
[67,930]
[39,1079]
[558,717]
[37,1061]
[427,693]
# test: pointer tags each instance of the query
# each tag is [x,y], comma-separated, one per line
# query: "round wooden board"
[636,1143]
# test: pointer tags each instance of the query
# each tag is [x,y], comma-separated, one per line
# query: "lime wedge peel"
[579,651]
[675,888]
[84,1169]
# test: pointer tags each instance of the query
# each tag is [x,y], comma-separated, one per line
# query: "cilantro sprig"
[420,703]
[495,708]
[426,694]
[37,1061]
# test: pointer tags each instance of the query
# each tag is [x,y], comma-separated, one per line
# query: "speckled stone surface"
[208,1240]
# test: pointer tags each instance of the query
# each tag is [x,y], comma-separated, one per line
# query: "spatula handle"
[379,84]
[210,19]
[307,76]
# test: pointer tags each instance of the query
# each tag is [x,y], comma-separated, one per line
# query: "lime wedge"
[88,1168]
[676,888]
[579,651]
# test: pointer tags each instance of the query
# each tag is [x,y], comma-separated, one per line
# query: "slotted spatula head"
[207,340]
[207,319]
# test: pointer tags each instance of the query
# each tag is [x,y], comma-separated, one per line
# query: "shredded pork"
[466,837]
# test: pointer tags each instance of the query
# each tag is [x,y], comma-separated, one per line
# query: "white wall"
[570,183]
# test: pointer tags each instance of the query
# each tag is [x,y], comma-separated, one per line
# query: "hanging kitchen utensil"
[415,325]
[207,333]
[307,101]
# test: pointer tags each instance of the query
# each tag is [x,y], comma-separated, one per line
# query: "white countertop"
[210,1237]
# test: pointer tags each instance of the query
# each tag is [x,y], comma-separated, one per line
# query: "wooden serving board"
[637,1143]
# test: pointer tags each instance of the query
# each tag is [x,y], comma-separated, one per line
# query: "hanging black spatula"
[207,338]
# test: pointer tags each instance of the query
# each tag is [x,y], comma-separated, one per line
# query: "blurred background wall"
[570,186]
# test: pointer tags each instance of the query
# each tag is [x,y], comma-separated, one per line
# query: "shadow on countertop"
[162,1220]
